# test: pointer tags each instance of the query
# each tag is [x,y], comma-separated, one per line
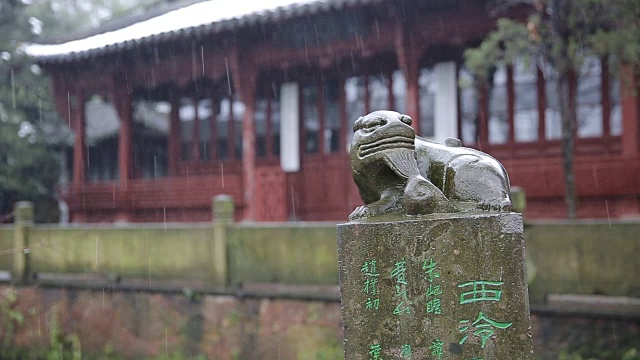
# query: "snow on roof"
[214,15]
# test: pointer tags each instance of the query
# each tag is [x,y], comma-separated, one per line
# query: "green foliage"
[61,346]
[10,319]
[33,137]
[560,35]
[29,126]
[504,45]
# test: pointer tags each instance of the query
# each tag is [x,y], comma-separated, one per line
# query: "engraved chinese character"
[481,327]
[429,266]
[369,268]
[370,285]
[398,272]
[402,308]
[372,304]
[481,291]
[434,290]
[405,351]
[436,348]
[433,306]
[374,351]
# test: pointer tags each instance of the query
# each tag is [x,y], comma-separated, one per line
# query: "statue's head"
[379,132]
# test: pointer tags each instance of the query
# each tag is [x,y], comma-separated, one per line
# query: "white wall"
[289,127]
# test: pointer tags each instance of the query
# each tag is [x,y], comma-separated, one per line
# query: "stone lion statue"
[399,172]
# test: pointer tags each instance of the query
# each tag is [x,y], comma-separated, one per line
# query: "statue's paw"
[365,211]
[359,212]
[501,205]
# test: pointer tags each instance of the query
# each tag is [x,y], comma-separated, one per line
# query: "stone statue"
[398,172]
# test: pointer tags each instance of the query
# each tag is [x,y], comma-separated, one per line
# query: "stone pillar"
[223,213]
[443,286]
[23,212]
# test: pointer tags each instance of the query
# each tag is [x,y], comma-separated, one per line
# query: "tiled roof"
[206,17]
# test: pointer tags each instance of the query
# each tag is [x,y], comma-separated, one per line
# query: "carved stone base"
[445,286]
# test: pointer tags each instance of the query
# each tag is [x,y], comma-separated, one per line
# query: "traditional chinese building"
[256,99]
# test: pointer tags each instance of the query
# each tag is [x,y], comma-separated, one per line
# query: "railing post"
[518,199]
[223,211]
[23,212]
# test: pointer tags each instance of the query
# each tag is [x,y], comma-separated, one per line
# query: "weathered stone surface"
[465,284]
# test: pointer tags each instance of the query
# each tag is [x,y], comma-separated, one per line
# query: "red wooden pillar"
[391,97]
[174,136]
[244,77]
[511,106]
[408,57]
[606,100]
[79,154]
[483,123]
[321,114]
[542,105]
[630,112]
[367,95]
[195,135]
[249,150]
[215,109]
[125,140]
[413,94]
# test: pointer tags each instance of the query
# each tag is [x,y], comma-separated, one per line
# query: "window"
[378,92]
[310,117]
[210,123]
[589,99]
[399,88]
[102,137]
[498,99]
[384,90]
[188,131]
[615,111]
[552,117]
[151,119]
[468,106]
[223,123]
[355,92]
[275,119]
[267,121]
[331,89]
[261,117]
[525,119]
[205,114]
[427,85]
[238,110]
